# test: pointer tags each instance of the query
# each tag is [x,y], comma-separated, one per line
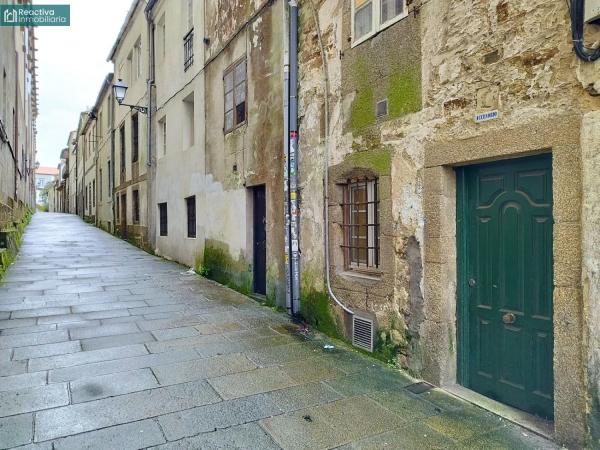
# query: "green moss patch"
[217,264]
[380,161]
[315,307]
[404,93]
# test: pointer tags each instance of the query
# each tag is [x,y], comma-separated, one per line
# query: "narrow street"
[105,346]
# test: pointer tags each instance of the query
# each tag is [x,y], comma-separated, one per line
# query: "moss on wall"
[380,161]
[315,307]
[218,265]
[404,92]
[12,237]
[363,107]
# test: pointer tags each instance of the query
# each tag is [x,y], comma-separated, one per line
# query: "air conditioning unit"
[591,10]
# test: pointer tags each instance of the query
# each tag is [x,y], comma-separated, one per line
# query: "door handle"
[472,282]
[509,318]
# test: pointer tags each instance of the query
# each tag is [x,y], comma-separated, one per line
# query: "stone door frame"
[559,135]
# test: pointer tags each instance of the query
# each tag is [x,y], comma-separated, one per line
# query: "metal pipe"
[286,162]
[293,159]
[326,177]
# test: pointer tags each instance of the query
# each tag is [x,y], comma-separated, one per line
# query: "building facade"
[448,169]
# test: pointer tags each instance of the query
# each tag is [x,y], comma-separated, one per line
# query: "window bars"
[361,224]
[188,50]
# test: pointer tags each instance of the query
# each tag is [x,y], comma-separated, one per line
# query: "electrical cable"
[326,181]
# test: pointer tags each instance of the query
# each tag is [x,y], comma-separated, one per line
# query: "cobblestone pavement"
[105,346]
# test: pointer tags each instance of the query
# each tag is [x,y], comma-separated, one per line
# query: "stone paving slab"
[142,354]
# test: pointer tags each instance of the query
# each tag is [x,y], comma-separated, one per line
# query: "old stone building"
[130,56]
[448,180]
[18,112]
[475,140]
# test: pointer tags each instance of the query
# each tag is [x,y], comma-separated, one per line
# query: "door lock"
[509,318]
[472,282]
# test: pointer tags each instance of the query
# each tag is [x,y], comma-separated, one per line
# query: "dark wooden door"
[505,269]
[260,239]
[124,216]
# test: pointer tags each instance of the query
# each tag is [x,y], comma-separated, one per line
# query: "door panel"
[505,242]
[260,240]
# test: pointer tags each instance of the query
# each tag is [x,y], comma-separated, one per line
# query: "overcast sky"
[71,67]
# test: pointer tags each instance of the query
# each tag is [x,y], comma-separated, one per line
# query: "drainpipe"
[326,168]
[286,162]
[149,85]
[293,160]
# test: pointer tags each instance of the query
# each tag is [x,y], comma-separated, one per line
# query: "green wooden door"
[505,273]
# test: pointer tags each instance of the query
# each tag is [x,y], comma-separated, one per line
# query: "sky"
[71,68]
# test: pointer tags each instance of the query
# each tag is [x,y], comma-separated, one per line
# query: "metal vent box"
[592,10]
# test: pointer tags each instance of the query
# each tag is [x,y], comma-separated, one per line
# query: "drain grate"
[420,387]
[362,333]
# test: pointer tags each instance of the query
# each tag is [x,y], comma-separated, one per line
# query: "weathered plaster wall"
[387,66]
[250,155]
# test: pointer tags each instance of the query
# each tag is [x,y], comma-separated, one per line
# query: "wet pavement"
[105,346]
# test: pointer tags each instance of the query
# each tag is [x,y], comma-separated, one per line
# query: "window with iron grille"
[135,137]
[188,50]
[191,216]
[163,219]
[122,145]
[136,206]
[361,224]
[234,82]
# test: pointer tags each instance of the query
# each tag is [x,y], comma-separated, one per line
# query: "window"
[94,195]
[190,14]
[134,138]
[163,135]
[234,81]
[188,124]
[371,16]
[162,37]
[190,203]
[361,224]
[137,59]
[163,220]
[188,50]
[122,142]
[129,68]
[109,172]
[136,206]
[117,210]
[100,186]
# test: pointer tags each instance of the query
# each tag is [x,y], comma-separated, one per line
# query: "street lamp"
[120,89]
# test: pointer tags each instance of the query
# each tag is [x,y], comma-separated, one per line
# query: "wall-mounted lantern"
[120,89]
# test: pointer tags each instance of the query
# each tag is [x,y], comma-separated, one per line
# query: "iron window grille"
[361,224]
[234,81]
[136,206]
[163,219]
[191,216]
[188,50]
[135,141]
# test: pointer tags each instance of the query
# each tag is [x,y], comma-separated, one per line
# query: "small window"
[94,195]
[123,151]
[100,186]
[371,16]
[163,219]
[117,211]
[361,224]
[234,82]
[134,137]
[382,108]
[188,50]
[137,59]
[163,135]
[191,216]
[136,206]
